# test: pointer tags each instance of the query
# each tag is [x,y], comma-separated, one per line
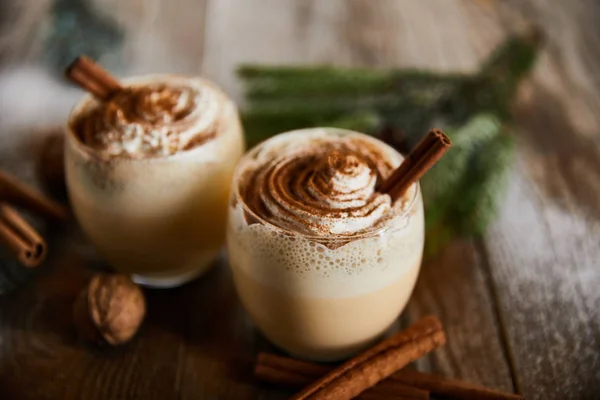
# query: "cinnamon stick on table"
[295,373]
[93,78]
[374,365]
[14,192]
[21,238]
[416,164]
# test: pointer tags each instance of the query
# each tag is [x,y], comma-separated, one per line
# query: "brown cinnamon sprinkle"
[416,164]
[21,238]
[286,179]
[295,373]
[147,109]
[18,194]
[93,78]
[374,365]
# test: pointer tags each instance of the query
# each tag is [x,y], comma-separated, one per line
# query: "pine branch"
[482,190]
[76,28]
[493,89]
[412,110]
[260,127]
[248,71]
[334,82]
[312,82]
[515,58]
[266,118]
[443,182]
[366,122]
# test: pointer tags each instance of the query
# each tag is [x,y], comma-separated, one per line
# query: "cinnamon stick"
[19,194]
[21,238]
[416,164]
[452,387]
[374,365]
[295,373]
[383,396]
[93,78]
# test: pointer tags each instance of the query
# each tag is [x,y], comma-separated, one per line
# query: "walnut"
[110,309]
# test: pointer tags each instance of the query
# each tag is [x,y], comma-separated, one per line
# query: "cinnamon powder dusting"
[324,188]
[152,120]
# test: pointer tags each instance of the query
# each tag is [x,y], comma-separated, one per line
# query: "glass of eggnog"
[148,174]
[322,262]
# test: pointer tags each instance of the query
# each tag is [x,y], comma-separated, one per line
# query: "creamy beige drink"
[149,172]
[322,262]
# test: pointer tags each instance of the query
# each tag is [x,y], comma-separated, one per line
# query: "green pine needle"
[494,87]
[482,189]
[366,121]
[443,183]
[466,140]
[311,82]
[250,71]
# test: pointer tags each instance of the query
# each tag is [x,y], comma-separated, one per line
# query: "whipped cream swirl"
[151,120]
[326,188]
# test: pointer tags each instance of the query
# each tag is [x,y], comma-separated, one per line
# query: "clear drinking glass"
[161,219]
[317,297]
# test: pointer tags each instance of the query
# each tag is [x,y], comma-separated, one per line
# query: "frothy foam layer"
[324,186]
[298,266]
[153,119]
[333,265]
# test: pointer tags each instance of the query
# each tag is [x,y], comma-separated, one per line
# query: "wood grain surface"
[520,305]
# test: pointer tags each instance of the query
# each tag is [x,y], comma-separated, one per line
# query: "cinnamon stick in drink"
[374,365]
[416,164]
[93,78]
[295,373]
[21,238]
[14,192]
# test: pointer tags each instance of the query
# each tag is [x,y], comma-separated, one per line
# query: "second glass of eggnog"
[322,262]
[149,172]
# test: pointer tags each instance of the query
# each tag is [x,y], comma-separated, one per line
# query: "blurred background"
[520,292]
[38,38]
[213,37]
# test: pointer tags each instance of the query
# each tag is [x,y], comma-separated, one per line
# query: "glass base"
[340,354]
[332,356]
[171,281]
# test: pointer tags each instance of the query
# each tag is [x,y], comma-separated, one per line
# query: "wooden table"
[521,305]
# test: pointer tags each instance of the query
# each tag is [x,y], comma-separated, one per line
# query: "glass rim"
[318,238]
